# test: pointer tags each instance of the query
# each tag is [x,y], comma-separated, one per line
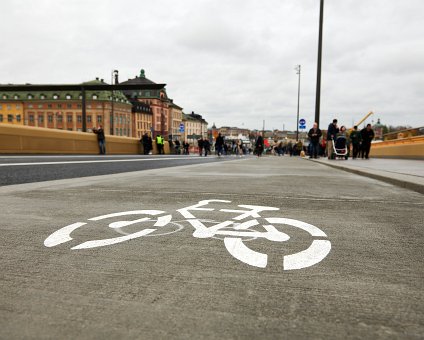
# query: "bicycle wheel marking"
[234,232]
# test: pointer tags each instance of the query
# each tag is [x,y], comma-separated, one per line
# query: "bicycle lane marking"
[234,238]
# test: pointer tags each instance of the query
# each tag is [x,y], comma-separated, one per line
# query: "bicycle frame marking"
[233,239]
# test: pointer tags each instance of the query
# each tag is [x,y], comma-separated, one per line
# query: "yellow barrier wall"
[407,148]
[31,140]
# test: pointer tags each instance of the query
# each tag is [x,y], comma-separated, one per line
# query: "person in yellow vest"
[159,143]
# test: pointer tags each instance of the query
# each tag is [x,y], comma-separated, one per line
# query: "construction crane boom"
[363,119]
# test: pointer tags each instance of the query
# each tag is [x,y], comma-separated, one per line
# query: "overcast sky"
[231,61]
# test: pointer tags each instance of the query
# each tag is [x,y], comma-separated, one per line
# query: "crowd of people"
[358,142]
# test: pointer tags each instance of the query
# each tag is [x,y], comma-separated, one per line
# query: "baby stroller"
[340,149]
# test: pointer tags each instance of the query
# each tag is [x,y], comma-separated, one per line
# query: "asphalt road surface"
[28,169]
[270,248]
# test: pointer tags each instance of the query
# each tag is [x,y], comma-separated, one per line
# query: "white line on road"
[100,161]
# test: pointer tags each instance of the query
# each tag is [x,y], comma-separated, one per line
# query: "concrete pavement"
[401,172]
[178,280]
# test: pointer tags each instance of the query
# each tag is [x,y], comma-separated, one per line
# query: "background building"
[175,120]
[142,118]
[156,99]
[195,127]
[63,110]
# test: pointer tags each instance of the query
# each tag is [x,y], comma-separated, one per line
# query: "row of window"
[122,132]
[9,106]
[56,97]
[59,118]
[69,119]
[10,118]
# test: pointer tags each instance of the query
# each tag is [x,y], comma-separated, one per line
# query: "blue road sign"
[182,127]
[302,122]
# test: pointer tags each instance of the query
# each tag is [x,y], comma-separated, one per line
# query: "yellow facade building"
[11,112]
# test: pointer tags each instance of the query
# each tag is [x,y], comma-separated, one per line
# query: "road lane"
[171,284]
[18,170]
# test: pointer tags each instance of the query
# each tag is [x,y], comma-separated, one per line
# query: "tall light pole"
[298,69]
[114,76]
[318,91]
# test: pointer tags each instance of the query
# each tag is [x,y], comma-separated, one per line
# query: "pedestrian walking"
[314,135]
[200,145]
[259,146]
[186,147]
[206,147]
[160,143]
[355,140]
[332,132]
[219,144]
[101,139]
[177,147]
[145,143]
[240,148]
[367,135]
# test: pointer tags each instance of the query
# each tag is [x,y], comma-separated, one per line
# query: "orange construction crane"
[363,119]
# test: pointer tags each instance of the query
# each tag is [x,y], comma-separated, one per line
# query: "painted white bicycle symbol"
[235,232]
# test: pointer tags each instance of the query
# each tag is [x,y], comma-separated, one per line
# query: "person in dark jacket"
[259,146]
[355,140]
[200,143]
[145,142]
[101,139]
[332,132]
[367,135]
[219,143]
[206,146]
[314,135]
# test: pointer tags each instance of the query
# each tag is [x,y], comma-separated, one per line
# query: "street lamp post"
[298,69]
[318,90]
[114,75]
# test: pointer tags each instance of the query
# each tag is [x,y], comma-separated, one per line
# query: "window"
[41,119]
[30,106]
[79,118]
[99,119]
[40,106]
[49,106]
[116,131]
[59,106]
[18,106]
[4,96]
[69,118]
[55,96]
[68,96]
[31,118]
[1,107]
[79,106]
[59,118]
[15,96]
[9,118]
[94,96]
[50,118]
[30,96]
[9,107]
[1,118]
[69,106]
[89,106]
[42,96]
[18,118]
[88,119]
